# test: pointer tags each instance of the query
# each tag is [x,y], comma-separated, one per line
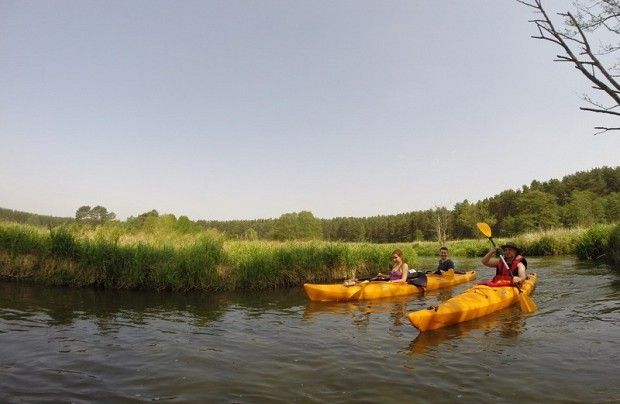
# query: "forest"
[577,200]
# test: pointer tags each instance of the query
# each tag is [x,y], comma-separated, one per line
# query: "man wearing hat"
[508,267]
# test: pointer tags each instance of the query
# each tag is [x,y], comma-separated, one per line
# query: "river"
[133,346]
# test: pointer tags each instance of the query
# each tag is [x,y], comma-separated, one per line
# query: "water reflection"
[506,324]
[314,309]
[361,312]
[108,309]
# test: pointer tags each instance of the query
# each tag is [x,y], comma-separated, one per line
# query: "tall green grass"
[613,247]
[260,265]
[107,257]
[78,257]
[61,258]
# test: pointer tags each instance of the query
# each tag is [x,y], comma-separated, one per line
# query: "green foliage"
[583,209]
[580,199]
[467,215]
[250,234]
[260,265]
[611,203]
[32,219]
[96,215]
[593,243]
[545,245]
[297,226]
[111,256]
[63,244]
[21,239]
[462,248]
[537,210]
[69,256]
[613,255]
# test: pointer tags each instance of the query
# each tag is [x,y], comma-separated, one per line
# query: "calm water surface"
[119,346]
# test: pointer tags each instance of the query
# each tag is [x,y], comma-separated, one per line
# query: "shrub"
[593,243]
[63,244]
[613,254]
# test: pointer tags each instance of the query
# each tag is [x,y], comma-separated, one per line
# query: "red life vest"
[503,273]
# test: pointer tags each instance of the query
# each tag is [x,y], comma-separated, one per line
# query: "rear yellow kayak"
[379,289]
[473,303]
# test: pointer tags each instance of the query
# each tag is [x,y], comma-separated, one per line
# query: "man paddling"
[511,268]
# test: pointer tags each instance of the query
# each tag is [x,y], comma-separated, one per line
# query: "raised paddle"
[525,301]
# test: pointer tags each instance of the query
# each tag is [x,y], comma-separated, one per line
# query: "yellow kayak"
[379,289]
[473,303]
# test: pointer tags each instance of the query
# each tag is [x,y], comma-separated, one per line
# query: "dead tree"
[592,15]
[442,219]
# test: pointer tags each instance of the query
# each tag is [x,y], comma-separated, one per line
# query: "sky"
[233,109]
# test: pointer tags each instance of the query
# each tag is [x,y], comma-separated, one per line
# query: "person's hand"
[516,279]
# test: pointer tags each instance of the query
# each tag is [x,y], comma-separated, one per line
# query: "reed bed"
[112,257]
[613,247]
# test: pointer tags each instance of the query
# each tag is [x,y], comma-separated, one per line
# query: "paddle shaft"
[419,279]
[372,278]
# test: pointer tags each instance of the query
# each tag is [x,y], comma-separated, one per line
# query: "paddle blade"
[527,303]
[449,273]
[485,229]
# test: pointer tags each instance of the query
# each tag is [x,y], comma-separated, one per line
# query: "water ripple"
[64,345]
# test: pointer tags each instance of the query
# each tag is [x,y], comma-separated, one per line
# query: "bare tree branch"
[604,129]
[589,17]
[602,111]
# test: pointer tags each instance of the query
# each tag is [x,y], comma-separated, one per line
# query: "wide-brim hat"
[511,245]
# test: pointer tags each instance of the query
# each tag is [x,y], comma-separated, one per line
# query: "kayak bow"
[475,302]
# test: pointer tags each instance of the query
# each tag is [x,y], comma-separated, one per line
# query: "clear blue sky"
[251,109]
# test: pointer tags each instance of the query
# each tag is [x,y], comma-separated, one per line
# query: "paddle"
[372,278]
[418,279]
[525,301]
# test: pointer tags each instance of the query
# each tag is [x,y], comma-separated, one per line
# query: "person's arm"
[521,277]
[489,260]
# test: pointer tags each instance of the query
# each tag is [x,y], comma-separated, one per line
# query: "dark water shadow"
[63,306]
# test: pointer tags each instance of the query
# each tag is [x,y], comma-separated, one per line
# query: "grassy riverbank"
[178,261]
[113,258]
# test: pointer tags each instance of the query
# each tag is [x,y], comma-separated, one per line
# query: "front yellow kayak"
[379,289]
[473,303]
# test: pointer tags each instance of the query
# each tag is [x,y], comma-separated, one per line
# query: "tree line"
[33,219]
[579,199]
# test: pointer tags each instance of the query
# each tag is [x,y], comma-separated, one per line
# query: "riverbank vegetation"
[104,256]
[113,255]
[577,215]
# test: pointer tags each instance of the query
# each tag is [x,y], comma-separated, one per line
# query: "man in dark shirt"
[445,263]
